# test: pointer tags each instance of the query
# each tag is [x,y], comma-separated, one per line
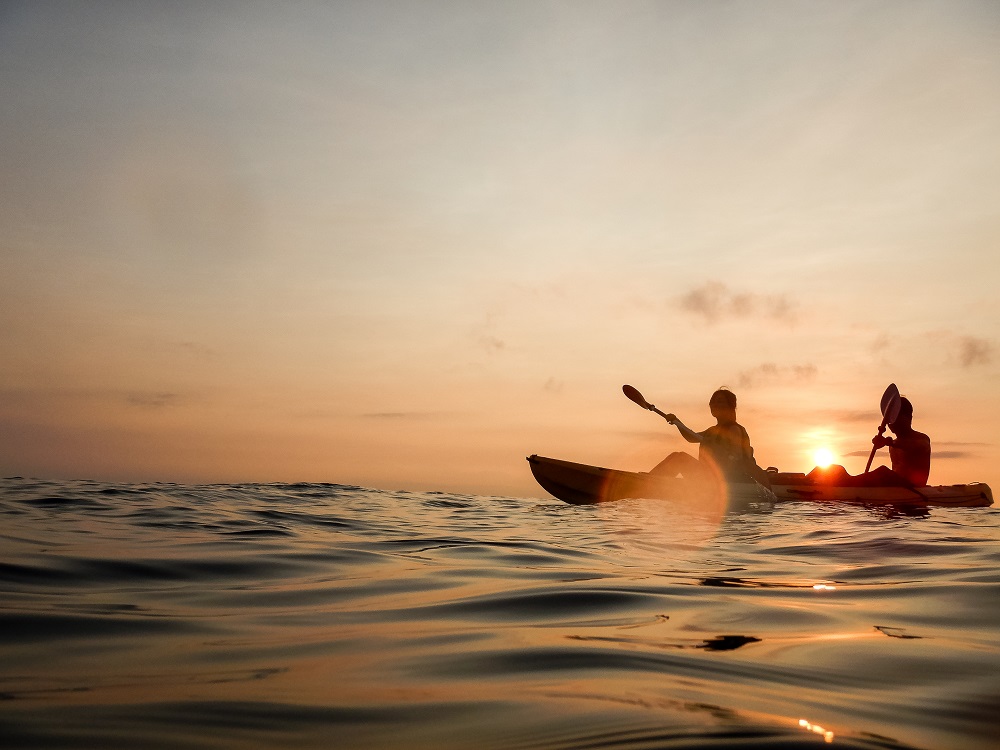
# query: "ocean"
[331,616]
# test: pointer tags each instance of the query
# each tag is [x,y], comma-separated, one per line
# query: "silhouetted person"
[909,451]
[724,449]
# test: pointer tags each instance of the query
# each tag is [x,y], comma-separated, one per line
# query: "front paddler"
[724,449]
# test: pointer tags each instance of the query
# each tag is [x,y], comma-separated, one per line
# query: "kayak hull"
[581,484]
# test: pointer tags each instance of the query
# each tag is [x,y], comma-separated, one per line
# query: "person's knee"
[674,464]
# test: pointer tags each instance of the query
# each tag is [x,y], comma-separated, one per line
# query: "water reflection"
[728,642]
[809,727]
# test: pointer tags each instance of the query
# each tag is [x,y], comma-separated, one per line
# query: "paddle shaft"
[871,456]
[890,410]
[657,411]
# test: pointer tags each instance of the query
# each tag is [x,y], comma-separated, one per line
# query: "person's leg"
[883,476]
[679,463]
[834,475]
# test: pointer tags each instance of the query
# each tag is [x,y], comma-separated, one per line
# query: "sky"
[405,245]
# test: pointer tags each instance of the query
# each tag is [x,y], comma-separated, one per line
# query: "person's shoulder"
[717,432]
[915,438]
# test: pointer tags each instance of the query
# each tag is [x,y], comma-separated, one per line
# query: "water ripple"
[166,615]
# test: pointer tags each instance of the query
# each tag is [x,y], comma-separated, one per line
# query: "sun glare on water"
[823,457]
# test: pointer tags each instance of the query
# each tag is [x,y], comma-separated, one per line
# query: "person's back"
[910,454]
[727,447]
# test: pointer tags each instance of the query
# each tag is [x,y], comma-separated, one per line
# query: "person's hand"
[880,441]
[670,418]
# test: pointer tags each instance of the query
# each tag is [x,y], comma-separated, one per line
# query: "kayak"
[581,484]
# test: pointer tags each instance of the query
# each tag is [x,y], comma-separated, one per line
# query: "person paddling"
[724,449]
[909,451]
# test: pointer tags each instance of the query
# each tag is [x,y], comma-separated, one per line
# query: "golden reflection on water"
[688,521]
[809,727]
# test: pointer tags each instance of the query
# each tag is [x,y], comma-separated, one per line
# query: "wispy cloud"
[960,349]
[715,301]
[935,455]
[849,416]
[772,374]
[492,343]
[554,386]
[156,400]
[195,349]
[957,449]
[974,351]
[401,415]
[880,343]
[485,335]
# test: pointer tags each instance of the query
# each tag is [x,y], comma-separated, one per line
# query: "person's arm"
[686,432]
[880,441]
[748,449]
[755,471]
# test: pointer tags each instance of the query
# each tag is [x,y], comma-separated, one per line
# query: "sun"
[823,457]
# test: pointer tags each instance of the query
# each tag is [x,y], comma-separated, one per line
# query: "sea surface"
[329,616]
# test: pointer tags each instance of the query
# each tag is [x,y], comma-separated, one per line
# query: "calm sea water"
[319,615]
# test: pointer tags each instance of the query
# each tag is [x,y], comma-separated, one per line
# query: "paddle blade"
[634,395]
[890,410]
[890,404]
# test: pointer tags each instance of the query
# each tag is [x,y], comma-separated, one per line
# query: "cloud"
[715,301]
[974,351]
[772,374]
[880,343]
[963,350]
[554,386]
[485,336]
[402,415]
[849,416]
[156,400]
[951,454]
[492,343]
[195,349]
[935,455]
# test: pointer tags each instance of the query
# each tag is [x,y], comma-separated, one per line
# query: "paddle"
[634,395]
[890,410]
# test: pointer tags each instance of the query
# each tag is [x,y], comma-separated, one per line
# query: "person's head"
[904,419]
[723,405]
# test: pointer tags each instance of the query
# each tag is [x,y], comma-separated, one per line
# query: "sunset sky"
[404,245]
